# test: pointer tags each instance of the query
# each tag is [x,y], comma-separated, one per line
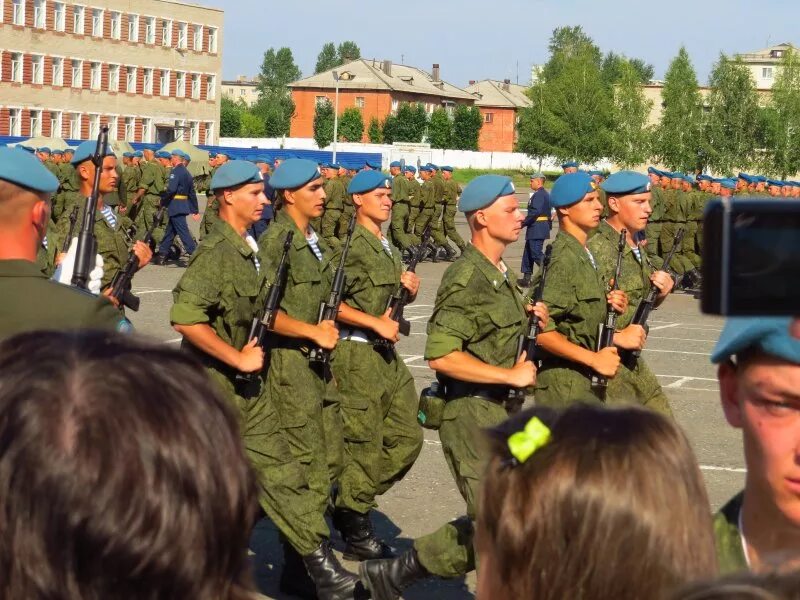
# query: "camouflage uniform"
[347,211]
[211,212]
[686,201]
[153,181]
[335,198]
[478,310]
[730,553]
[382,438]
[414,200]
[130,179]
[437,228]
[400,213]
[673,219]
[428,214]
[223,288]
[696,215]
[575,295]
[68,179]
[640,384]
[450,208]
[653,230]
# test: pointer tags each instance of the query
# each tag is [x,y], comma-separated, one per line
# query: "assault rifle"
[265,321]
[605,335]
[647,304]
[73,218]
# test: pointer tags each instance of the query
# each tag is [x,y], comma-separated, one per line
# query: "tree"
[375,131]
[408,125]
[419,118]
[533,125]
[351,125]
[276,112]
[467,123]
[323,124]
[440,129]
[678,138]
[229,118]
[327,58]
[390,130]
[348,51]
[278,70]
[781,120]
[567,43]
[630,134]
[251,126]
[732,119]
[613,64]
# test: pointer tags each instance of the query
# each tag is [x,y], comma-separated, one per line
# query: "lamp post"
[335,113]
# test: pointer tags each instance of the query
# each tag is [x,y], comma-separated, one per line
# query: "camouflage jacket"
[153,179]
[657,204]
[427,194]
[730,553]
[450,192]
[130,179]
[414,192]
[400,189]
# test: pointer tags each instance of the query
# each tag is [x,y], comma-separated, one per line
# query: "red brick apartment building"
[499,103]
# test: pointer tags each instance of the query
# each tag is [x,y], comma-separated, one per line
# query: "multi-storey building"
[241,89]
[150,69]
[499,103]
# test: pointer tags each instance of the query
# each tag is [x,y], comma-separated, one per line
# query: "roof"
[494,93]
[766,54]
[368,74]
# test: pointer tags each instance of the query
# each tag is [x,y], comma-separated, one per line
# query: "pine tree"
[327,58]
[630,135]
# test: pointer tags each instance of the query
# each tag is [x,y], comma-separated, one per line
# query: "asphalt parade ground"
[678,349]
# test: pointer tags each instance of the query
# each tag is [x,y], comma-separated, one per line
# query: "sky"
[477,40]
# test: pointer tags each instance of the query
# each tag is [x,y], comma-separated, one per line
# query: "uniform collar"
[485,266]
[18,267]
[372,239]
[236,240]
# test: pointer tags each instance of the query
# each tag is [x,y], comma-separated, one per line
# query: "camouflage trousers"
[382,438]
[653,234]
[429,215]
[210,216]
[638,386]
[448,551]
[680,261]
[698,239]
[150,204]
[449,224]
[328,224]
[411,225]
[398,224]
[690,248]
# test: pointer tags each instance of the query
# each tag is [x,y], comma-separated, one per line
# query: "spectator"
[128,485]
[610,505]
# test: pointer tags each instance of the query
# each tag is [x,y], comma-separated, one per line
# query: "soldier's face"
[654,179]
[108,174]
[586,213]
[632,211]
[536,184]
[676,184]
[309,200]
[409,175]
[774,190]
[761,397]
[568,170]
[376,205]
[715,188]
[666,182]
[245,203]
[503,219]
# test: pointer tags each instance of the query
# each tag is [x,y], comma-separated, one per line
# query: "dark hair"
[614,506]
[745,586]
[123,474]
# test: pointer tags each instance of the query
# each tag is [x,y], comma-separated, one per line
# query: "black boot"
[331,579]
[451,254]
[525,281]
[294,577]
[359,537]
[387,578]
[158,259]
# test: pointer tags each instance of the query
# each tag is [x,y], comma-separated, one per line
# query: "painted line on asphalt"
[658,337]
[174,341]
[152,292]
[678,352]
[724,469]
[665,326]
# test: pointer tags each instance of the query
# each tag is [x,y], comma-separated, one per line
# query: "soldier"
[382,438]
[674,218]
[759,375]
[577,298]
[691,206]
[653,230]
[130,178]
[761,184]
[401,208]
[628,196]
[413,201]
[151,185]
[427,213]
[437,220]
[347,208]
[30,300]
[537,224]
[451,192]
[211,213]
[335,200]
[181,200]
[570,166]
[305,394]
[774,188]
[477,320]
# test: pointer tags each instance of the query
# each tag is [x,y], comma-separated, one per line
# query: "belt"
[454,388]
[355,335]
[542,219]
[180,197]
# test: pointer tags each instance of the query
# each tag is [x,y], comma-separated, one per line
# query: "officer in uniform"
[305,394]
[401,208]
[382,438]
[31,301]
[450,207]
[577,299]
[537,224]
[628,196]
[335,200]
[477,320]
[180,200]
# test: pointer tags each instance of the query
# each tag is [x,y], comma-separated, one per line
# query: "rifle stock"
[605,334]
[73,218]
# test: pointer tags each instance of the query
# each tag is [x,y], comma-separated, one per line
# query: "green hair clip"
[523,444]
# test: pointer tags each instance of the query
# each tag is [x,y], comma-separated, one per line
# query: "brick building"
[376,88]
[149,69]
[499,103]
[241,89]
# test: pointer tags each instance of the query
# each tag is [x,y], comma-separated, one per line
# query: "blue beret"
[68,149]
[57,152]
[745,177]
[22,169]
[538,176]
[26,148]
[337,166]
[774,182]
[448,169]
[425,168]
[138,154]
[626,182]
[327,165]
[768,334]
[596,173]
[432,167]
[262,159]
[728,183]
[411,169]
[690,178]
[186,157]
[366,181]
[86,150]
[569,164]
[483,190]
[127,154]
[570,188]
[212,154]
[44,149]
[177,152]
[294,173]
[395,163]
[373,165]
[235,172]
[653,170]
[760,179]
[704,177]
[162,154]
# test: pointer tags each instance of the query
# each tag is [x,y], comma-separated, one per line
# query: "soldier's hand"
[522,374]
[251,357]
[663,281]
[540,310]
[122,210]
[618,301]
[196,217]
[632,337]
[410,281]
[387,328]
[327,335]
[107,293]
[60,258]
[606,362]
[142,252]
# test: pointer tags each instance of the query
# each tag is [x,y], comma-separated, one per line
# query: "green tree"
[252,126]
[408,125]
[327,58]
[467,123]
[781,120]
[375,131]
[678,138]
[532,127]
[420,121]
[323,124]
[390,131]
[276,112]
[351,125]
[440,129]
[630,135]
[565,44]
[613,65]
[230,123]
[732,120]
[348,51]
[278,70]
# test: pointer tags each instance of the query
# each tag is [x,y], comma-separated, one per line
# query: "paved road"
[680,342]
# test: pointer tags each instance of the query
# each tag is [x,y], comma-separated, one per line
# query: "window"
[148,81]
[395,105]
[18,12]
[59,16]
[150,30]
[166,32]
[130,128]
[113,127]
[55,123]
[58,71]
[488,117]
[130,85]
[194,132]
[94,79]
[113,78]
[94,126]
[16,67]
[77,73]
[38,14]
[116,25]
[77,19]
[212,40]
[360,101]
[37,69]
[133,28]
[164,86]
[195,86]
[36,123]
[147,130]
[211,83]
[97,22]
[242,92]
[14,121]
[197,39]
[318,100]
[766,73]
[180,129]
[75,126]
[180,84]
[209,138]
[183,35]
